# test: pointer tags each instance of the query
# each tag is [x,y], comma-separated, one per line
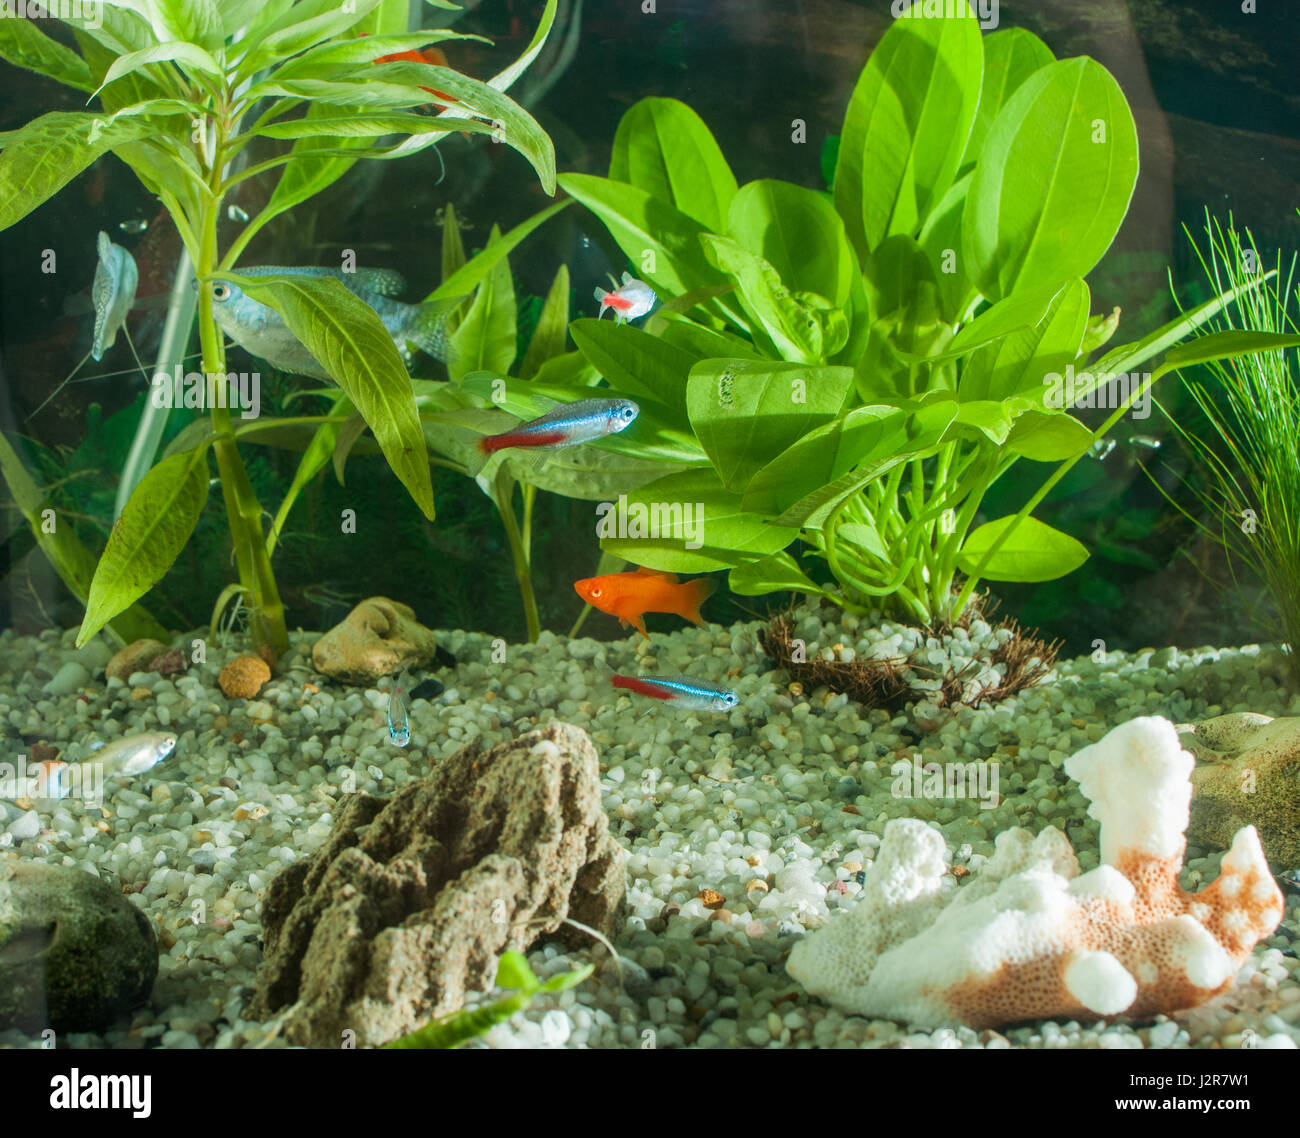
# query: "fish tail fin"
[600,296]
[698,591]
[429,328]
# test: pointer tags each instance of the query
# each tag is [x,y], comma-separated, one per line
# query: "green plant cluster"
[190,89]
[855,370]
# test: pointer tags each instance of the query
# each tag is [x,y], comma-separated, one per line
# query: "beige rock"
[376,638]
[135,657]
[1247,774]
[412,899]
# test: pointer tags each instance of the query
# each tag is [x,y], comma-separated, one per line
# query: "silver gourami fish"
[565,425]
[113,293]
[261,331]
[681,691]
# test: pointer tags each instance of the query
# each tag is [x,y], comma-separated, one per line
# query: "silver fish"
[123,758]
[113,293]
[260,330]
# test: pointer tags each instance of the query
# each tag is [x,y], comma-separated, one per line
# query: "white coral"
[1030,936]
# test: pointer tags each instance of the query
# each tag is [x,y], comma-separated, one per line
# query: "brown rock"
[412,898]
[1247,774]
[243,677]
[135,657]
[376,638]
[268,654]
[711,898]
[44,753]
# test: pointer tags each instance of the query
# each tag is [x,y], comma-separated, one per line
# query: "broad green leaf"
[906,127]
[1049,438]
[1010,57]
[941,242]
[568,370]
[24,45]
[991,417]
[235,14]
[746,412]
[866,435]
[40,158]
[453,250]
[636,363]
[308,22]
[346,335]
[1022,310]
[348,434]
[1053,180]
[706,343]
[862,537]
[465,279]
[317,62]
[115,29]
[513,971]
[552,329]
[718,534]
[664,148]
[794,333]
[772,574]
[643,225]
[153,529]
[1034,552]
[1019,365]
[338,124]
[194,21]
[188,56]
[486,338]
[799,234]
[312,463]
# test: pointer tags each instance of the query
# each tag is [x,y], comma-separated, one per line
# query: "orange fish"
[629,596]
[428,55]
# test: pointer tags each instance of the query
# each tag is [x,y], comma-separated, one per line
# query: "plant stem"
[243,511]
[505,493]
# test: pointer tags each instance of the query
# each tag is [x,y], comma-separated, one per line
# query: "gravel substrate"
[778,806]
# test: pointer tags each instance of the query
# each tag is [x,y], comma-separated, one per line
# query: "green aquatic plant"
[1248,444]
[513,972]
[855,370]
[190,90]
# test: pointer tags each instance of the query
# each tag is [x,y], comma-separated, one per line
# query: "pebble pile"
[744,829]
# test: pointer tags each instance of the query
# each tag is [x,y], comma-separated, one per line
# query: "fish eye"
[220,291]
[596,592]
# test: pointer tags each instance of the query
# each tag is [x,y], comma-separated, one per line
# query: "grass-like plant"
[196,97]
[1248,443]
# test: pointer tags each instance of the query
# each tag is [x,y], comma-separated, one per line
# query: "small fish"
[135,225]
[681,691]
[429,55]
[113,292]
[236,213]
[261,330]
[628,301]
[565,425]
[399,733]
[629,596]
[122,758]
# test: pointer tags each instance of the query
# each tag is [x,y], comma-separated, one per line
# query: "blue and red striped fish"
[566,425]
[681,691]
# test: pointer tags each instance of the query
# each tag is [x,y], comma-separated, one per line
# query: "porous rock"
[1247,774]
[412,898]
[376,638]
[74,953]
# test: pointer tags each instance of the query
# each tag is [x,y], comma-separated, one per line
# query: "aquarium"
[686,524]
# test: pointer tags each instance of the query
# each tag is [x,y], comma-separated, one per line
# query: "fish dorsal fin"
[669,577]
[628,278]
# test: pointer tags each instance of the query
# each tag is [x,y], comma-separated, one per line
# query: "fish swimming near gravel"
[629,596]
[399,727]
[680,691]
[123,758]
[261,331]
